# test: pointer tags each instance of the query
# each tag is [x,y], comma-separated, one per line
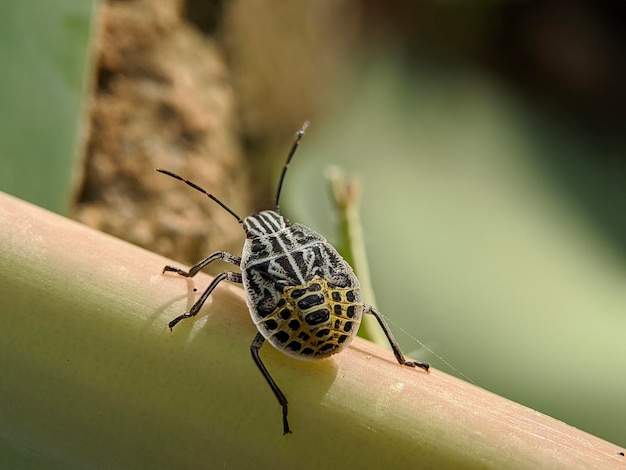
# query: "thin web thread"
[454,369]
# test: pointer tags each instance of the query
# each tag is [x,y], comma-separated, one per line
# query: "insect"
[304,299]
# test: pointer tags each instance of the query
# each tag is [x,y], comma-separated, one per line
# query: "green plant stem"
[346,195]
[91,377]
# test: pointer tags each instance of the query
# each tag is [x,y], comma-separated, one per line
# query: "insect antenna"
[198,188]
[294,147]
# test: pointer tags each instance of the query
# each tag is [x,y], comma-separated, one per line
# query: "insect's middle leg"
[223,255]
[280,396]
[392,341]
[228,276]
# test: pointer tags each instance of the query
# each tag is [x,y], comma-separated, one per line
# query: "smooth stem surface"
[91,377]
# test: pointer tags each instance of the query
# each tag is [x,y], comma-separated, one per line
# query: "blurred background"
[489,138]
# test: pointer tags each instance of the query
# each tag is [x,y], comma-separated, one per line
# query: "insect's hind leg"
[228,276]
[392,341]
[280,396]
[196,268]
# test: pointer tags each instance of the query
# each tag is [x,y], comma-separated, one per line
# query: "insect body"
[302,295]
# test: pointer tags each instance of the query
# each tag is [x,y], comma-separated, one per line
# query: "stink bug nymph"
[302,295]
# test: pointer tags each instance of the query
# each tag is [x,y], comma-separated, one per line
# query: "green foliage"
[45,55]
[478,242]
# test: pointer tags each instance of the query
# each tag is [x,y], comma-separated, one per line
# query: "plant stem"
[346,195]
[91,377]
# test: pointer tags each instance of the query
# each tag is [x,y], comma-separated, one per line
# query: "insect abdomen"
[313,320]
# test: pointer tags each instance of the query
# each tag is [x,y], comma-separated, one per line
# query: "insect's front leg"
[392,341]
[196,268]
[228,276]
[280,396]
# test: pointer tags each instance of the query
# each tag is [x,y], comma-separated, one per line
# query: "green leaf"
[45,52]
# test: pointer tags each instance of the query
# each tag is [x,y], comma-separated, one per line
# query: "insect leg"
[229,276]
[223,255]
[392,341]
[280,396]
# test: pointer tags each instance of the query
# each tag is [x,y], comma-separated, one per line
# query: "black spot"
[347,327]
[342,339]
[350,296]
[327,347]
[256,247]
[307,352]
[350,311]
[264,311]
[336,296]
[337,310]
[294,324]
[294,346]
[317,317]
[337,324]
[285,314]
[282,336]
[281,303]
[271,324]
[315,287]
[311,301]
[304,336]
[322,333]
[297,293]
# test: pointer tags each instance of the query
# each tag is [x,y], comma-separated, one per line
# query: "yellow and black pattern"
[313,320]
[302,295]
